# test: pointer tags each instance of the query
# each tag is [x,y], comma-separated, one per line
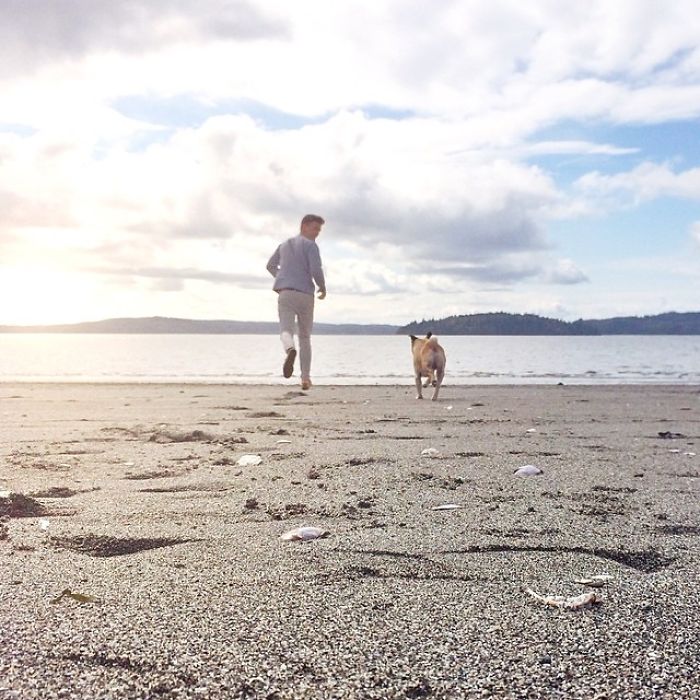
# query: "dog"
[428,361]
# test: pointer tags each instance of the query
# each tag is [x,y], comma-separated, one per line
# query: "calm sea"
[349,359]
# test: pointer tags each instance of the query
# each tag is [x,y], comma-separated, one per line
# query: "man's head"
[311,226]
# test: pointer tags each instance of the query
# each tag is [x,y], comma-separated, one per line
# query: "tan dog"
[428,361]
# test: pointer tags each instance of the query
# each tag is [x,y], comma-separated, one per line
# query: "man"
[296,265]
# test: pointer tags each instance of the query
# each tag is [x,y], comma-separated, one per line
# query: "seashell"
[44,523]
[531,430]
[430,452]
[593,582]
[528,470]
[284,442]
[249,460]
[447,506]
[558,601]
[304,534]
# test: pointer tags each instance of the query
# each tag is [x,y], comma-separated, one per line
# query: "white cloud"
[566,272]
[645,182]
[695,233]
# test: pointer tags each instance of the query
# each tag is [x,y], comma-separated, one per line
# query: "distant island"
[499,323]
[671,323]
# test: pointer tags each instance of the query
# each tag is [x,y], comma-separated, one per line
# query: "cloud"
[646,182]
[695,232]
[566,272]
[495,273]
[172,278]
[233,178]
[33,32]
[573,148]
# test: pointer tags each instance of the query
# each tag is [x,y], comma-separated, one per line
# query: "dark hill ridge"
[671,323]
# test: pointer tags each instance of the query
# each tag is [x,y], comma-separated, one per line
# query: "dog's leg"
[438,384]
[419,388]
[429,378]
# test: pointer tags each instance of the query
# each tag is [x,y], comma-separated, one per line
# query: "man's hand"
[321,295]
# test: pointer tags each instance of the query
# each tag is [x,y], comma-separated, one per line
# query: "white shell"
[528,470]
[593,582]
[447,506]
[558,601]
[430,452]
[249,460]
[304,534]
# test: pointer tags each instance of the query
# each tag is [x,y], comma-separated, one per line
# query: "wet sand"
[131,496]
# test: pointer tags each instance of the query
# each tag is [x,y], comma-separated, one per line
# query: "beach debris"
[248,461]
[264,414]
[313,473]
[557,601]
[17,505]
[531,430]
[675,451]
[74,595]
[668,435]
[106,546]
[528,470]
[165,436]
[447,506]
[689,454]
[251,504]
[430,452]
[284,442]
[359,461]
[306,533]
[44,524]
[597,581]
[449,408]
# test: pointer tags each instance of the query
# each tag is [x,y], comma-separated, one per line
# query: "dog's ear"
[413,339]
[428,334]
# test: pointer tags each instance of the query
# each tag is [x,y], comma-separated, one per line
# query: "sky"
[468,156]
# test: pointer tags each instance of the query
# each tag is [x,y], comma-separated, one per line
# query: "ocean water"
[348,359]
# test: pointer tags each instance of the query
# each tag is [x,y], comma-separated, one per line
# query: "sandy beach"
[132,498]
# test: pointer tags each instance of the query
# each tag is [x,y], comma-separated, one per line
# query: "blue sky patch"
[189,112]
[18,129]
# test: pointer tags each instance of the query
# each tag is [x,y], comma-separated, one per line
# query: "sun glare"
[39,295]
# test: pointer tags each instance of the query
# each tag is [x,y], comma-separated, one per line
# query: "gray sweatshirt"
[296,264]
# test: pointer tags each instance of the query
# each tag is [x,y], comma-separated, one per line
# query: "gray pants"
[297,306]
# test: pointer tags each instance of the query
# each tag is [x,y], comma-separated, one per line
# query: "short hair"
[313,219]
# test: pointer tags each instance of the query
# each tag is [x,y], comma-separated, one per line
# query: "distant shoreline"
[490,324]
